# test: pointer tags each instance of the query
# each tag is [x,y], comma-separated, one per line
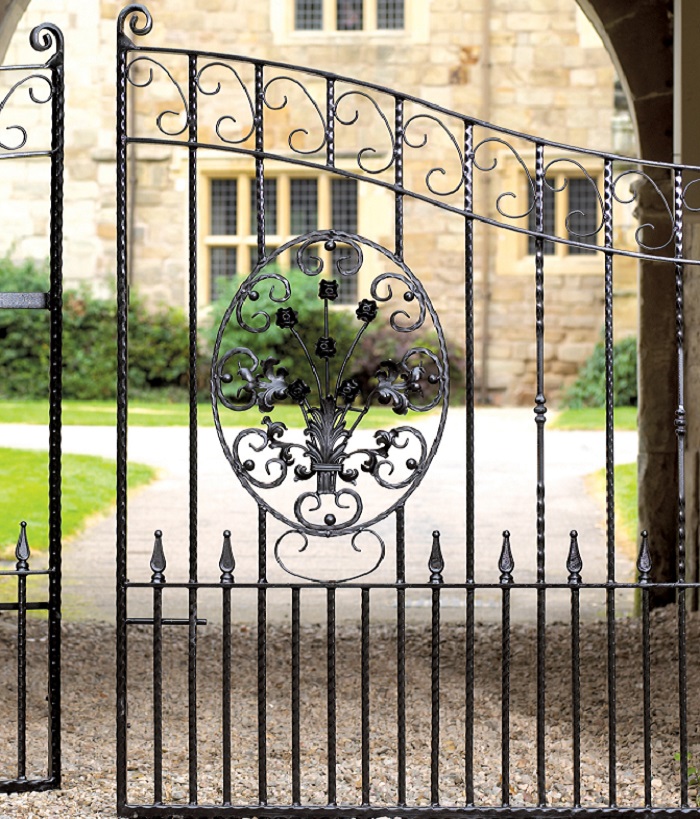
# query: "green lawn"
[88,488]
[153,414]
[594,418]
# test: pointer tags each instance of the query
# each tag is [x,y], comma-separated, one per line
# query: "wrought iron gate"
[43,82]
[340,492]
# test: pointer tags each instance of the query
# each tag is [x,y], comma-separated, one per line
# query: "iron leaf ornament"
[335,405]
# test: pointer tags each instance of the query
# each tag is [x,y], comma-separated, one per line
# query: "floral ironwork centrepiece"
[336,407]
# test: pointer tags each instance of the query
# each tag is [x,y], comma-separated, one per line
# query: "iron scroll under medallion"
[290,336]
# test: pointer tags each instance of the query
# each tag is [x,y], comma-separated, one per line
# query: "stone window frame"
[416,28]
[243,240]
[370,17]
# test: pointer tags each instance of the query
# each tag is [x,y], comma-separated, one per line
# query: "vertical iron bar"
[469,477]
[157,694]
[644,572]
[436,564]
[158,564]
[22,668]
[505,697]
[122,403]
[398,175]
[574,564]
[227,564]
[401,652]
[55,407]
[365,697]
[192,648]
[506,566]
[435,701]
[226,693]
[331,701]
[608,181]
[259,164]
[680,436]
[540,418]
[330,123]
[576,692]
[646,674]
[296,700]
[262,657]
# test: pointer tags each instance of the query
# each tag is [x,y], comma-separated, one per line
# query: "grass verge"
[594,418]
[88,488]
[626,521]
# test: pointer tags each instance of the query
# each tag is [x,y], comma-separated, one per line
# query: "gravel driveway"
[89,771]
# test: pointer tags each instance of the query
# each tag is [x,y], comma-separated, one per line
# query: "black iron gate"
[44,84]
[339,731]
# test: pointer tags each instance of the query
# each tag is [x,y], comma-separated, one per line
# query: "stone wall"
[548,74]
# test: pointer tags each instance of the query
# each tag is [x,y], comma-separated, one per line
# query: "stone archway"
[10,13]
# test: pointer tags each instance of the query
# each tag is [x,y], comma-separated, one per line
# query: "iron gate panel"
[339,508]
[44,84]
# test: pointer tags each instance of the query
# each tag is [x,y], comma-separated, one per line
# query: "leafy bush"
[589,388]
[158,343]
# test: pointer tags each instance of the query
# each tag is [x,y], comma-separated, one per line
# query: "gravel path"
[88,715]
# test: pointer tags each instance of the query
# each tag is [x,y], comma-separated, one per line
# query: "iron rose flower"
[349,390]
[366,310]
[298,390]
[286,318]
[325,347]
[328,289]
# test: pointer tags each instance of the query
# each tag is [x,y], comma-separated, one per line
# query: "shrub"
[589,388]
[158,343]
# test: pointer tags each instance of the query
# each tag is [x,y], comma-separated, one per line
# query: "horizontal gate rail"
[24,301]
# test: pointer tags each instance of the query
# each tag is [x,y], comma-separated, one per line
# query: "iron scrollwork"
[335,450]
[40,87]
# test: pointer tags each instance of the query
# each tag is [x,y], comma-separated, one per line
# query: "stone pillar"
[658,386]
[686,149]
[638,36]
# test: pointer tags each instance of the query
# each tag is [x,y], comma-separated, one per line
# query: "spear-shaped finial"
[574,564]
[436,563]
[644,559]
[158,559]
[22,550]
[227,562]
[506,563]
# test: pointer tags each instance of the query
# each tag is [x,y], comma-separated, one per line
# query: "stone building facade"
[535,66]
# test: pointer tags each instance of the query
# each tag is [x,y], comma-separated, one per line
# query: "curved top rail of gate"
[316,110]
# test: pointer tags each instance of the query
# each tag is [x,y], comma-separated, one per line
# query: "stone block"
[575,353]
[525,21]
[107,230]
[583,76]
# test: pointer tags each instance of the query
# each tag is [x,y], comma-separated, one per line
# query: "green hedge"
[158,343]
